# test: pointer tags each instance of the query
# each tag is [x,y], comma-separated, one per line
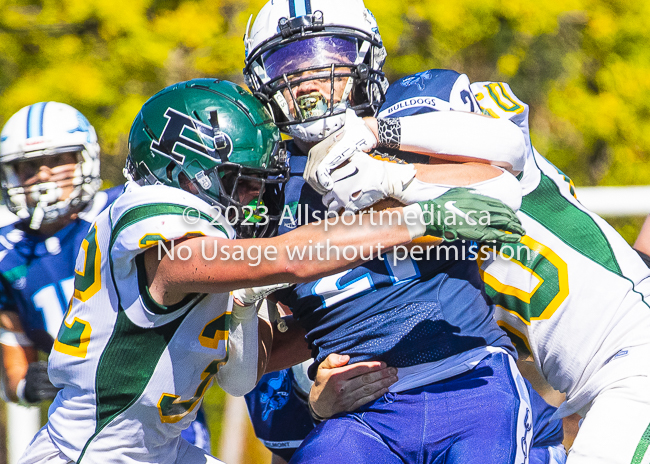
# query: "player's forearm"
[431,180]
[458,175]
[15,362]
[459,136]
[302,255]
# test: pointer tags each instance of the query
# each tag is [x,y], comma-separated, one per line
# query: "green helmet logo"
[213,139]
[180,132]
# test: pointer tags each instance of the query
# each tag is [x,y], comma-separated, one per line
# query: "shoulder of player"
[9,257]
[431,90]
[164,212]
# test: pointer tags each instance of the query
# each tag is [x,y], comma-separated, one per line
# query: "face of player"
[248,190]
[306,66]
[59,168]
[313,96]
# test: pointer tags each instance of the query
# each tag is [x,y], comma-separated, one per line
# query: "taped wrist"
[414,220]
[389,133]
[505,188]
[245,313]
[20,393]
[417,190]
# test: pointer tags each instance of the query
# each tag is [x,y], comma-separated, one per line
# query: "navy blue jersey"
[404,312]
[37,272]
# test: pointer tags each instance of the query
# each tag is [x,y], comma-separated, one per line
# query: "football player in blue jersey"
[49,173]
[317,64]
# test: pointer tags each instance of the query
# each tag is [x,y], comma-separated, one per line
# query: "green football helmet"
[213,139]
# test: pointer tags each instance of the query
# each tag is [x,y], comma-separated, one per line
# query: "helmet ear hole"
[185,183]
[170,170]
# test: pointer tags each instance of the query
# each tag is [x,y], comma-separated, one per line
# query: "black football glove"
[37,383]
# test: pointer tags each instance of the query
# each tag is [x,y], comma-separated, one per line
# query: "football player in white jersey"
[151,324]
[576,295]
[49,158]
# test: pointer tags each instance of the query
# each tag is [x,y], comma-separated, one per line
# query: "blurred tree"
[107,58]
[580,64]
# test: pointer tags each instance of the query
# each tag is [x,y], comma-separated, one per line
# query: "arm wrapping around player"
[459,136]
[456,136]
[363,180]
[322,248]
[170,278]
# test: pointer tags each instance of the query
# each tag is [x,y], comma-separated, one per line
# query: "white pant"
[616,428]
[43,451]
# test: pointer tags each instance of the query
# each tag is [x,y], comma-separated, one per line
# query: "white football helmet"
[296,42]
[34,133]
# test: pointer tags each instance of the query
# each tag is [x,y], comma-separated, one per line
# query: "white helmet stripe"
[35,120]
[299,8]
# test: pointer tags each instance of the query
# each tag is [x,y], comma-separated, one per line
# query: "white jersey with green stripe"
[133,373]
[573,290]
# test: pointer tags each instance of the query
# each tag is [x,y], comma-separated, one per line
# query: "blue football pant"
[480,417]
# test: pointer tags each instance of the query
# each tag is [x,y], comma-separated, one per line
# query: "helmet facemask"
[36,141]
[253,199]
[310,74]
[70,183]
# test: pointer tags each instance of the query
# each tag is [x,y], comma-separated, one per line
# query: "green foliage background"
[582,65]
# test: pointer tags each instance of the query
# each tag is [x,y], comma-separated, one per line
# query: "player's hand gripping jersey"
[135,399]
[573,290]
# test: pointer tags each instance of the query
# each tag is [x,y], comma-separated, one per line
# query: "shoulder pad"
[432,90]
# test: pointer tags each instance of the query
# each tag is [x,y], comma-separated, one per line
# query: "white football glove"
[365,180]
[327,155]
